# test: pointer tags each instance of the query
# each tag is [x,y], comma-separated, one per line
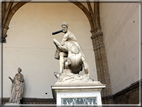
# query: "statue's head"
[19,70]
[64,27]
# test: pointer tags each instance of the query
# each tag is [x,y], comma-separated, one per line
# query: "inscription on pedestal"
[80,101]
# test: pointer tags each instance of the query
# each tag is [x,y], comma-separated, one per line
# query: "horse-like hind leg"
[86,70]
[61,63]
[67,63]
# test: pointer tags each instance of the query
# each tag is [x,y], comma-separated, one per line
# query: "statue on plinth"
[17,87]
[71,57]
[71,87]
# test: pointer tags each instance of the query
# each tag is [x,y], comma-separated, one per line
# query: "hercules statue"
[69,53]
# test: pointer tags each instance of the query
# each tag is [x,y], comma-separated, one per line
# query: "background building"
[109,34]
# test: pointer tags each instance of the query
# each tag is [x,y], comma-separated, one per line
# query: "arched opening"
[30,44]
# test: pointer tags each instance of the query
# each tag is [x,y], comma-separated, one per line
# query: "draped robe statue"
[17,87]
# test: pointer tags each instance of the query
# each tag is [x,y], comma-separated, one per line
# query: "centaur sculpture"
[69,53]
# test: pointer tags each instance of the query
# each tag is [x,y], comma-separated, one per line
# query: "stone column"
[101,59]
[7,14]
[101,65]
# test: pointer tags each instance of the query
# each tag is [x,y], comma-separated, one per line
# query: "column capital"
[96,34]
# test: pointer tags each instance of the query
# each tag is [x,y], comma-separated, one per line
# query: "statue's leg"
[18,100]
[12,97]
[85,65]
[61,63]
[59,46]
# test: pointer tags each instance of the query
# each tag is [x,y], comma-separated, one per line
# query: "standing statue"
[17,87]
[69,53]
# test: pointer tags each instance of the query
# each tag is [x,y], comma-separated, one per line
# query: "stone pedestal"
[78,93]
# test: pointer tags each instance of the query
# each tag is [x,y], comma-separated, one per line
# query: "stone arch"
[86,12]
[14,9]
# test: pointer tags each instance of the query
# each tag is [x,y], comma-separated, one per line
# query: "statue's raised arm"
[11,79]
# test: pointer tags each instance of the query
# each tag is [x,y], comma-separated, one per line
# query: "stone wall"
[30,45]
[129,95]
[121,30]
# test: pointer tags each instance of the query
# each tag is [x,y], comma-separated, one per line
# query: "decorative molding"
[97,40]
[97,34]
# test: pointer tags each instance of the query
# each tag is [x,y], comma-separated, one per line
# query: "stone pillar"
[7,14]
[102,67]
[100,56]
[4,33]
